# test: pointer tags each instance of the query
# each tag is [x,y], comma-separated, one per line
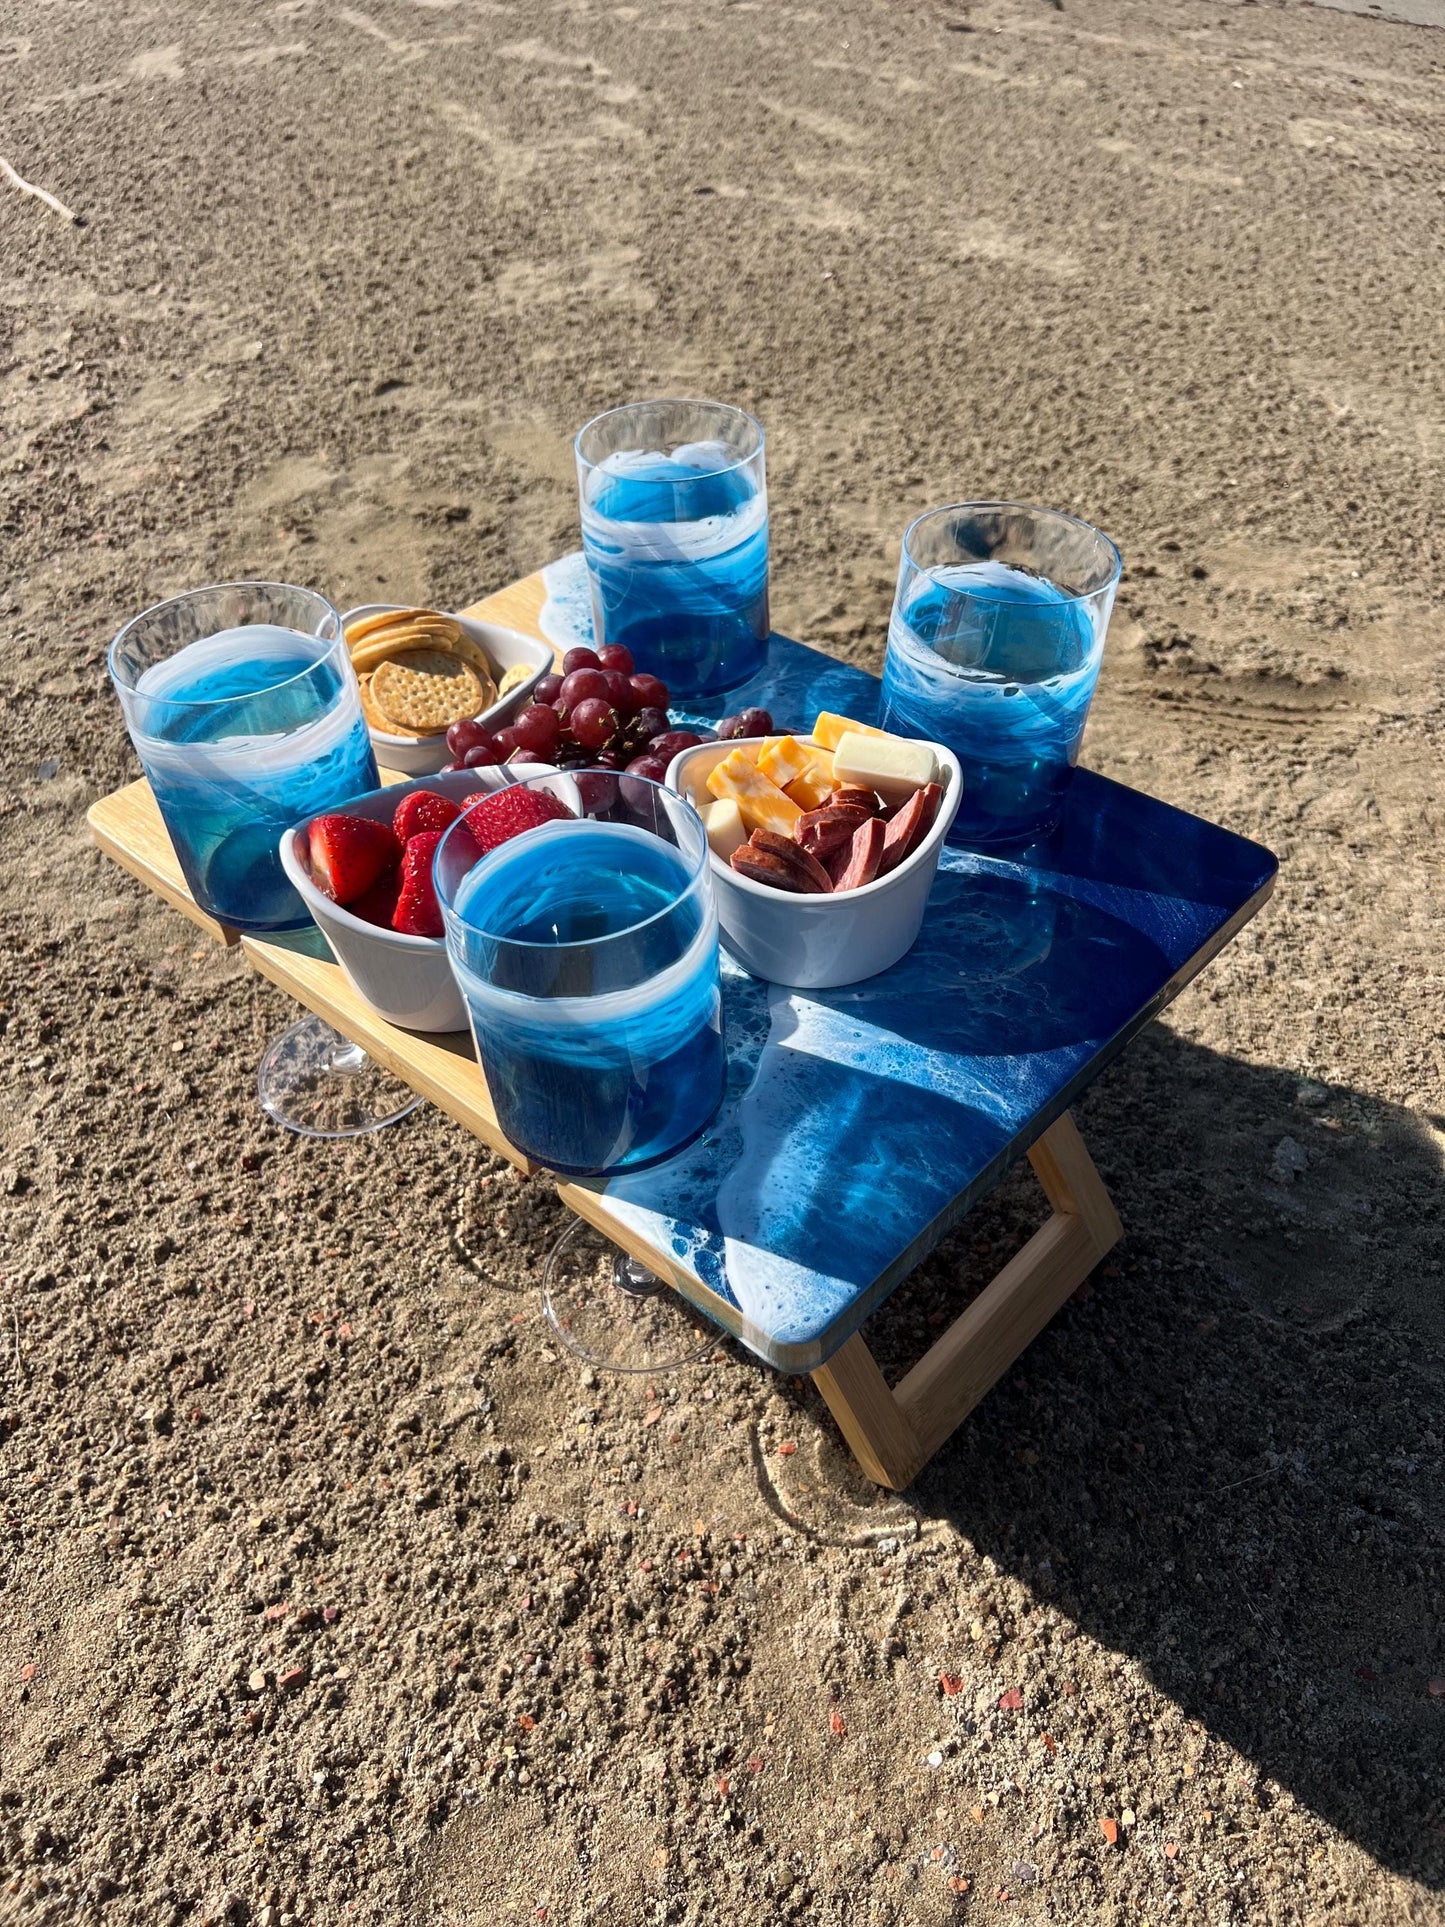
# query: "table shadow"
[1225,1460]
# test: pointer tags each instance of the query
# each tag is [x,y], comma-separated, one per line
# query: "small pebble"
[1290,1161]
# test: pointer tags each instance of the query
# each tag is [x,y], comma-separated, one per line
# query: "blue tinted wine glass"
[586,949]
[994,648]
[674,503]
[244,710]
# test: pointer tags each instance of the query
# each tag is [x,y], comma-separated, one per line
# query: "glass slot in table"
[861,1124]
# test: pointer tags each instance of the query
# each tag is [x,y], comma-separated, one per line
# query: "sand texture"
[329,1590]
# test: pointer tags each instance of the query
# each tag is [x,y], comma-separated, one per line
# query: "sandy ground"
[327,1591]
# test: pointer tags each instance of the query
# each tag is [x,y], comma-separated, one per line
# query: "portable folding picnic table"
[861,1124]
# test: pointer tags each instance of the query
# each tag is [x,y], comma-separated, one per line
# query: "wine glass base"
[504,1227]
[817,1487]
[611,1312]
[315,1082]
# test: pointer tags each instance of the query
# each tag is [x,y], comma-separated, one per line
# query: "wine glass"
[674,505]
[580,924]
[994,648]
[244,710]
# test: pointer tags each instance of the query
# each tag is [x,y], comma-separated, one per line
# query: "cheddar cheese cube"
[755,752]
[829,730]
[761,804]
[783,760]
[812,789]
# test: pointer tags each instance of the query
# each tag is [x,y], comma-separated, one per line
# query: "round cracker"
[381,725]
[385,619]
[376,648]
[426,689]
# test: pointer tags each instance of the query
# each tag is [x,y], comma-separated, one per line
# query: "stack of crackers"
[419,672]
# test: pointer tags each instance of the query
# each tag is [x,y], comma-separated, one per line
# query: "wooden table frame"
[893,1432]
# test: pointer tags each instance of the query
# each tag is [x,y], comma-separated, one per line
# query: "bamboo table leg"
[894,1433]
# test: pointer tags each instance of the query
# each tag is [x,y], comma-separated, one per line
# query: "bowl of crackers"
[421,670]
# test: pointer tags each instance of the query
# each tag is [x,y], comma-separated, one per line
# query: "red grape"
[504,742]
[538,728]
[608,759]
[480,756]
[592,722]
[581,684]
[648,723]
[580,659]
[612,655]
[548,689]
[597,790]
[638,796]
[756,722]
[672,743]
[650,693]
[619,692]
[525,756]
[466,735]
[447,768]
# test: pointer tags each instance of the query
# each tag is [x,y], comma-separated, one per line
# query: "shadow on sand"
[1225,1457]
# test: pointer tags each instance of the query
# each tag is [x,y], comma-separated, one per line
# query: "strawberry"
[377,904]
[349,853]
[422,810]
[506,813]
[417,911]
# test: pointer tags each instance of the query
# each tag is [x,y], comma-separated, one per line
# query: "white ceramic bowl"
[406,979]
[505,648]
[818,943]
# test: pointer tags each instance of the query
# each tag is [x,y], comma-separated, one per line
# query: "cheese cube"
[724,825]
[892,765]
[755,752]
[783,760]
[829,729]
[761,804]
[816,784]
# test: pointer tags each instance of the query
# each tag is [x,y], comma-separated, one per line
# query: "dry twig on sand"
[29,187]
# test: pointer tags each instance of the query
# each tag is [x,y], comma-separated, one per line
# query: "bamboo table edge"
[893,1432]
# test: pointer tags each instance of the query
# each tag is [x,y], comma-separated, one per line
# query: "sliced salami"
[815,877]
[826,830]
[852,798]
[861,864]
[759,867]
[908,827]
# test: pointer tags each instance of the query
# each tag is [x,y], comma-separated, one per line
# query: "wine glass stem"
[633,1277]
[347,1058]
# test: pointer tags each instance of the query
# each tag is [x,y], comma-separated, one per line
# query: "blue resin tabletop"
[860,1124]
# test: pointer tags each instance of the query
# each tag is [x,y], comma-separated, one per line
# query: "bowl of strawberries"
[824,846]
[364,871]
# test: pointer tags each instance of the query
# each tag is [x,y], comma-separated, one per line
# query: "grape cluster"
[599,713]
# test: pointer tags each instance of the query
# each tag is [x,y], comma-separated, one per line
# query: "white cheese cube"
[725,828]
[894,766]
